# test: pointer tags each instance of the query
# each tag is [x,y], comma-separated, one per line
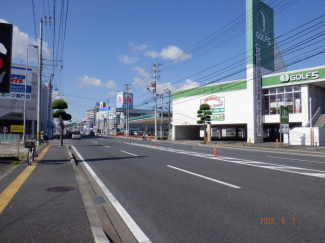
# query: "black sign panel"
[5,56]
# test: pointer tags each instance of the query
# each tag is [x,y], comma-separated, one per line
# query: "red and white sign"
[5,129]
[119,102]
[124,100]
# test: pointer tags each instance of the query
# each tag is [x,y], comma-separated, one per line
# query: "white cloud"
[92,81]
[135,48]
[143,77]
[127,60]
[20,42]
[189,84]
[111,94]
[169,53]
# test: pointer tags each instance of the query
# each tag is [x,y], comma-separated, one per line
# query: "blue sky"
[112,43]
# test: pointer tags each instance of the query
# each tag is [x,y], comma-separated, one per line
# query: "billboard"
[5,56]
[260,31]
[104,110]
[17,87]
[124,99]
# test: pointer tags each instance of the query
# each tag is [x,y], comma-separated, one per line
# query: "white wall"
[236,108]
[304,136]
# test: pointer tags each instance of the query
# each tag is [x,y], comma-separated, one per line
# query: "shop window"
[288,97]
[266,105]
[280,90]
[296,88]
[273,104]
[297,102]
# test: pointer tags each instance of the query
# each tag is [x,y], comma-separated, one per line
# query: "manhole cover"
[60,189]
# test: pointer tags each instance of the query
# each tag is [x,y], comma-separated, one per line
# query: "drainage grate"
[60,189]
[99,200]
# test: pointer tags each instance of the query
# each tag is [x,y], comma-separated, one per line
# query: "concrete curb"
[95,224]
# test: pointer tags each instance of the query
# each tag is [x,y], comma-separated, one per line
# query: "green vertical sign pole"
[284,122]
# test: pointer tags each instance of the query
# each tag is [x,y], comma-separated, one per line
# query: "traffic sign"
[120,109]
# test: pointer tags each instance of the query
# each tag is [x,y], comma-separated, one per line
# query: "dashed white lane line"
[132,225]
[107,146]
[264,165]
[205,177]
[94,142]
[296,159]
[128,153]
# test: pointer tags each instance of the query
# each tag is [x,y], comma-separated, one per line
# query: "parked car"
[91,134]
[96,133]
[76,135]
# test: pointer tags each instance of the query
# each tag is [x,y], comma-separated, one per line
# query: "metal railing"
[315,117]
[8,138]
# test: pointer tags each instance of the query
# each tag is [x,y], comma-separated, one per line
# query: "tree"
[204,115]
[61,115]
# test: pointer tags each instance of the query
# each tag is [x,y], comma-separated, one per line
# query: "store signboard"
[217,107]
[124,99]
[17,128]
[259,119]
[17,87]
[104,110]
[260,31]
[284,120]
[295,77]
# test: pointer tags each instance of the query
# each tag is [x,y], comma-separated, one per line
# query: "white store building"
[248,109]
[302,91]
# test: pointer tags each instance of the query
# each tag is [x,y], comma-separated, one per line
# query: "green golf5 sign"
[284,119]
[259,25]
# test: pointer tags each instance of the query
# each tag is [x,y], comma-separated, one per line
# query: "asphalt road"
[182,193]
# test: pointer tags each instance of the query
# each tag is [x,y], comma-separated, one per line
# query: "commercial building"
[12,105]
[249,109]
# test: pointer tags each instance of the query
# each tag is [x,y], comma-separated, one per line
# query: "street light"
[24,132]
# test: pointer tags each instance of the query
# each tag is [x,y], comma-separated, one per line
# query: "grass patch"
[15,162]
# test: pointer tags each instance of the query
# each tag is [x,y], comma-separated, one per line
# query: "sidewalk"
[47,206]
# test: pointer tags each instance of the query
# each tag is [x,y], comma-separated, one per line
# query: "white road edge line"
[128,153]
[135,229]
[205,177]
[296,159]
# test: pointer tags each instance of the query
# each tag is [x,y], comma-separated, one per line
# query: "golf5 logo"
[263,27]
[300,76]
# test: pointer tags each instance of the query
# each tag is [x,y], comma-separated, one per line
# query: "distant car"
[76,135]
[91,134]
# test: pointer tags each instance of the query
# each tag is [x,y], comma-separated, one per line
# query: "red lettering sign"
[17,81]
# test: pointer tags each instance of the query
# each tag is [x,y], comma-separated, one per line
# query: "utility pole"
[169,99]
[107,126]
[127,110]
[49,111]
[156,71]
[39,84]
[161,117]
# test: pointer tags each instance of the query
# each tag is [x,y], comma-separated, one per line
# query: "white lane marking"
[205,177]
[296,159]
[135,229]
[107,146]
[128,153]
[265,165]
[94,142]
